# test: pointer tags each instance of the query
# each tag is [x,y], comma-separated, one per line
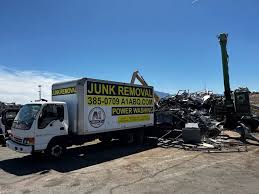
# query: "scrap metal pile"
[175,111]
[4,106]
[192,120]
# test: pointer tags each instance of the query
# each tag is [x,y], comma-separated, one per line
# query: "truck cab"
[36,124]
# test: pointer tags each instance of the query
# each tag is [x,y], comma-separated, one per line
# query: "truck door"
[50,124]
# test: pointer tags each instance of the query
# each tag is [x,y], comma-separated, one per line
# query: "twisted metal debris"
[204,108]
[185,107]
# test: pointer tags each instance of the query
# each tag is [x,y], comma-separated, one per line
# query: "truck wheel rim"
[56,150]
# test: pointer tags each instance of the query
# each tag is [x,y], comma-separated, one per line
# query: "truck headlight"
[28,140]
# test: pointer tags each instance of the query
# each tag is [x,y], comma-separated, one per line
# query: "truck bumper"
[18,148]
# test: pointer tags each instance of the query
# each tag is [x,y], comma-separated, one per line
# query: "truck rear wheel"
[55,150]
[127,138]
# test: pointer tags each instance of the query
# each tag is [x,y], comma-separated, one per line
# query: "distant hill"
[162,94]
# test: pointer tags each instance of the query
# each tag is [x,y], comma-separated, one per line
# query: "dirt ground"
[254,98]
[113,168]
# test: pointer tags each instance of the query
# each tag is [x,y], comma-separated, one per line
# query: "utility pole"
[39,92]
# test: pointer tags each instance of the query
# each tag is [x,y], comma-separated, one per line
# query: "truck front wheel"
[56,150]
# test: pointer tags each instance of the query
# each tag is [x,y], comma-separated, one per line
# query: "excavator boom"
[223,38]
[137,76]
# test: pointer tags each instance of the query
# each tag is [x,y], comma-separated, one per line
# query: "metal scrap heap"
[191,118]
[175,111]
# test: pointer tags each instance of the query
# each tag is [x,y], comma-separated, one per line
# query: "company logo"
[96,117]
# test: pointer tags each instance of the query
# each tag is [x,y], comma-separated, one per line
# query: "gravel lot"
[99,168]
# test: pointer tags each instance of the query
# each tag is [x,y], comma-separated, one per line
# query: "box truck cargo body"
[82,110]
[97,106]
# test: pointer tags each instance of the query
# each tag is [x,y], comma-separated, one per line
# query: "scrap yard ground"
[99,168]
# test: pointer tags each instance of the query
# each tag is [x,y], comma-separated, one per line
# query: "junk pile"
[195,121]
[4,106]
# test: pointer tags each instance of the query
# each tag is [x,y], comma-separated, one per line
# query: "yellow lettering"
[132,91]
[97,88]
[64,91]
[137,92]
[105,89]
[120,91]
[126,91]
[112,90]
[91,90]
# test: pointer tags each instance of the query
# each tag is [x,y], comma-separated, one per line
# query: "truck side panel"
[111,106]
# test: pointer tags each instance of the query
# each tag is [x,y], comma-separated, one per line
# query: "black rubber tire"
[127,138]
[55,150]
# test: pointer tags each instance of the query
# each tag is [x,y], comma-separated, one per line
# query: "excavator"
[237,107]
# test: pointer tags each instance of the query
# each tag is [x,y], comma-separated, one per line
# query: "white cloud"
[195,1]
[22,86]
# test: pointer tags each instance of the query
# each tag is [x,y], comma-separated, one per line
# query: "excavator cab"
[242,102]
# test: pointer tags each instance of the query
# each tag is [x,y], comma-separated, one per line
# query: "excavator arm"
[137,76]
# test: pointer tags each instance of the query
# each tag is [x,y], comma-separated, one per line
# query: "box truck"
[80,111]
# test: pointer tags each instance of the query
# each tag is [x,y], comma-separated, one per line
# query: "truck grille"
[18,140]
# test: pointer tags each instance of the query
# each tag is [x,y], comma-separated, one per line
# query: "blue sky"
[171,42]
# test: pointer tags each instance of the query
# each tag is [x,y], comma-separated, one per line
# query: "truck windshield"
[26,116]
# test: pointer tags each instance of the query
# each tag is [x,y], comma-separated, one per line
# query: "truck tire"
[127,138]
[55,150]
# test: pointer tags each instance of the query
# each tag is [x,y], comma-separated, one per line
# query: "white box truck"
[83,110]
